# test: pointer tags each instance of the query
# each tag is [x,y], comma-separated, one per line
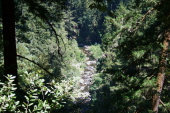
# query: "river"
[87,79]
[83,100]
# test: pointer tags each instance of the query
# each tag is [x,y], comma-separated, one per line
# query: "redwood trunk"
[9,42]
[161,73]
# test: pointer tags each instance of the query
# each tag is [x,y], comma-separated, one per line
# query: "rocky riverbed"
[87,79]
[82,97]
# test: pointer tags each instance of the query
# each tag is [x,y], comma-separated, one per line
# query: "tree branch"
[36,64]
[164,106]
[57,40]
[143,18]
[139,110]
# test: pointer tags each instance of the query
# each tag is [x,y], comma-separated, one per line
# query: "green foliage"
[89,22]
[132,51]
[44,9]
[60,55]
[47,35]
[7,95]
[51,48]
[40,97]
[97,82]
[95,51]
[100,94]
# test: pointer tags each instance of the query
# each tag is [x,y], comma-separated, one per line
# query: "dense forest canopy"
[92,56]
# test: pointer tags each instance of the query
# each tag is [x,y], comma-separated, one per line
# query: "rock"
[81,88]
[91,63]
[86,78]
[89,68]
[87,58]
[88,73]
[86,88]
[86,46]
[81,81]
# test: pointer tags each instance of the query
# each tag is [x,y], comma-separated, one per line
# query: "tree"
[133,42]
[89,26]
[8,17]
[9,41]
[161,72]
[164,16]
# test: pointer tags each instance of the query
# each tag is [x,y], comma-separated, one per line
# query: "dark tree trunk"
[9,42]
[161,73]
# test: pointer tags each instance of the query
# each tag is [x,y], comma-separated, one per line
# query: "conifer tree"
[133,41]
[164,16]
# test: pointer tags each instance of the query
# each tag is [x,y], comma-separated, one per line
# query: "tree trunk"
[9,42]
[161,72]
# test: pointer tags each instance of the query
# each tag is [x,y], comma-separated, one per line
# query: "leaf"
[17,103]
[31,104]
[27,98]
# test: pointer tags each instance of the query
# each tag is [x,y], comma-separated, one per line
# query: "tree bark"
[161,72]
[9,42]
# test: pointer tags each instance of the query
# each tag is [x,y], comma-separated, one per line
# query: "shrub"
[39,97]
[96,51]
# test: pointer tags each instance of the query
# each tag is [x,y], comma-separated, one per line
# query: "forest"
[84,56]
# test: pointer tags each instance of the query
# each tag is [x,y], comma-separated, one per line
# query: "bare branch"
[57,40]
[36,64]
